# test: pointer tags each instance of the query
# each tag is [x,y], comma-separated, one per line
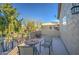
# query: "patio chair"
[47,44]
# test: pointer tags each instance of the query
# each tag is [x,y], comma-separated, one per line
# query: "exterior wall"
[70,31]
[36,34]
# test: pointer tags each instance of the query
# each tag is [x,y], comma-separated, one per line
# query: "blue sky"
[44,12]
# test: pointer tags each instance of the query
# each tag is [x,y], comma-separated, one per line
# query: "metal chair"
[47,44]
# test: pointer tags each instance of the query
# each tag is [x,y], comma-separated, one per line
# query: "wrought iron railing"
[75,10]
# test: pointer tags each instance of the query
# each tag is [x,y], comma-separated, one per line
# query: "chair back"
[48,40]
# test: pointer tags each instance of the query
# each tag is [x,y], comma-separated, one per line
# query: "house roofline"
[59,10]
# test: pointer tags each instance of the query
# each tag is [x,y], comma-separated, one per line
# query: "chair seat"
[45,45]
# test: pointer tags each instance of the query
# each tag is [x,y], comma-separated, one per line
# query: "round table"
[32,43]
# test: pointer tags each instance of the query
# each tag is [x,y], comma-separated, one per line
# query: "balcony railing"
[75,10]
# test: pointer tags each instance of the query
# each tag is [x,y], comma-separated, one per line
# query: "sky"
[44,12]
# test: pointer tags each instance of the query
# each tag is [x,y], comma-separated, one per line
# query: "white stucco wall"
[50,32]
[70,34]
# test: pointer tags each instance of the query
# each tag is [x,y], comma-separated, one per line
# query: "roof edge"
[59,10]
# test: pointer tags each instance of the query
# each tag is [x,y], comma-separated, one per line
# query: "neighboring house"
[51,26]
[68,14]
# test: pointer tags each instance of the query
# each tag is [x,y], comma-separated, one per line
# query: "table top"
[23,44]
[32,42]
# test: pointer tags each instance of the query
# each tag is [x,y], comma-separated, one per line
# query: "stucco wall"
[50,32]
[70,31]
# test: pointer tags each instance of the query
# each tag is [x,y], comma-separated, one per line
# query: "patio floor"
[58,48]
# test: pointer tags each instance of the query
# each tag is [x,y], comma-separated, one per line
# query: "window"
[64,21]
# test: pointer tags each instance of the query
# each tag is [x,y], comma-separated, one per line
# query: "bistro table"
[32,43]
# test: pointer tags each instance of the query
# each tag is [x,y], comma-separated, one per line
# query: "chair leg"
[40,48]
[49,51]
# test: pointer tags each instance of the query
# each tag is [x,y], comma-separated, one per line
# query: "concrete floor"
[58,48]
